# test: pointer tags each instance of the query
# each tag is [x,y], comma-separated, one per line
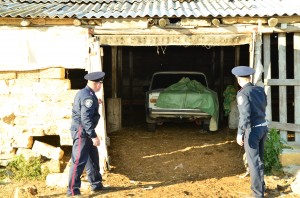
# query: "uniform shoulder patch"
[240,100]
[88,103]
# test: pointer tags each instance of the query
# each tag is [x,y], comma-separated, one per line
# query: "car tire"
[151,127]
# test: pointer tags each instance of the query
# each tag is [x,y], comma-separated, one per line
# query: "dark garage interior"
[138,64]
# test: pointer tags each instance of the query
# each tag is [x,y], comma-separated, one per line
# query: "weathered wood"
[195,22]
[216,22]
[124,23]
[179,30]
[166,40]
[120,70]
[284,126]
[282,82]
[267,73]
[163,22]
[130,75]
[114,87]
[25,22]
[114,114]
[76,22]
[237,54]
[257,76]
[245,20]
[96,65]
[36,21]
[251,51]
[254,20]
[282,75]
[272,22]
[8,75]
[221,80]
[297,87]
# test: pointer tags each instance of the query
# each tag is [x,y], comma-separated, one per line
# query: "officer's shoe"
[99,189]
[79,195]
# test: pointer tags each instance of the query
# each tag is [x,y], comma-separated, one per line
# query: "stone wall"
[33,103]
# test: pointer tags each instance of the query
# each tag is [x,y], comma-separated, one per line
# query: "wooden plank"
[120,70]
[245,20]
[284,126]
[114,71]
[254,20]
[283,82]
[166,40]
[96,65]
[124,23]
[282,75]
[297,87]
[267,73]
[251,52]
[258,66]
[36,21]
[237,55]
[6,75]
[195,22]
[180,30]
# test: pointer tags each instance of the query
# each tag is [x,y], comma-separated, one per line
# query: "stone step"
[290,156]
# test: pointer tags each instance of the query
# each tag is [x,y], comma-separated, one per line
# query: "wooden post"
[257,77]
[251,50]
[130,79]
[120,70]
[267,73]
[221,88]
[297,87]
[96,65]
[237,55]
[114,115]
[114,71]
[282,75]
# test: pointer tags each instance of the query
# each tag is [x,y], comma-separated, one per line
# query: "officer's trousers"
[84,155]
[254,141]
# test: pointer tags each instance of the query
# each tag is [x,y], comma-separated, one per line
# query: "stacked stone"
[34,103]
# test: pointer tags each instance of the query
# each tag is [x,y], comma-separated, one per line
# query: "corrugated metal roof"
[147,8]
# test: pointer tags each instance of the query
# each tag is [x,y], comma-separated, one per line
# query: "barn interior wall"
[134,80]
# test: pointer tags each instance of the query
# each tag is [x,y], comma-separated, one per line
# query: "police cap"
[242,71]
[95,76]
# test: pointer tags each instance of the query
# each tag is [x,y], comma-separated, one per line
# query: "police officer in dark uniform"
[252,128]
[85,117]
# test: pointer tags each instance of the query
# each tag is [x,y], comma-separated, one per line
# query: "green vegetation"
[20,168]
[273,148]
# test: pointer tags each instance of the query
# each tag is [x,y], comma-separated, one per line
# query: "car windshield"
[163,80]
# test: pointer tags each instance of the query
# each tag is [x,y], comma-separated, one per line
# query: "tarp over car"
[189,94]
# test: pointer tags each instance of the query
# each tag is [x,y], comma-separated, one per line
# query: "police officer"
[85,117]
[252,128]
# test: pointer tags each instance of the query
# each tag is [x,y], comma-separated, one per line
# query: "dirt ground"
[178,160]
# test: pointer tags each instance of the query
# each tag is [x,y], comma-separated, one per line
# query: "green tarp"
[229,96]
[189,94]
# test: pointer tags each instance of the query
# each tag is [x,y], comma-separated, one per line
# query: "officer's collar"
[90,89]
[247,85]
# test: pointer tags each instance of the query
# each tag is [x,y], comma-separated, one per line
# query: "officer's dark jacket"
[85,112]
[252,102]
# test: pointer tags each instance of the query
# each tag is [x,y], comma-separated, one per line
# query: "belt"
[262,124]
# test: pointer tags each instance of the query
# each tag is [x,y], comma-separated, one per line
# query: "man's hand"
[96,141]
[239,139]
[99,101]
